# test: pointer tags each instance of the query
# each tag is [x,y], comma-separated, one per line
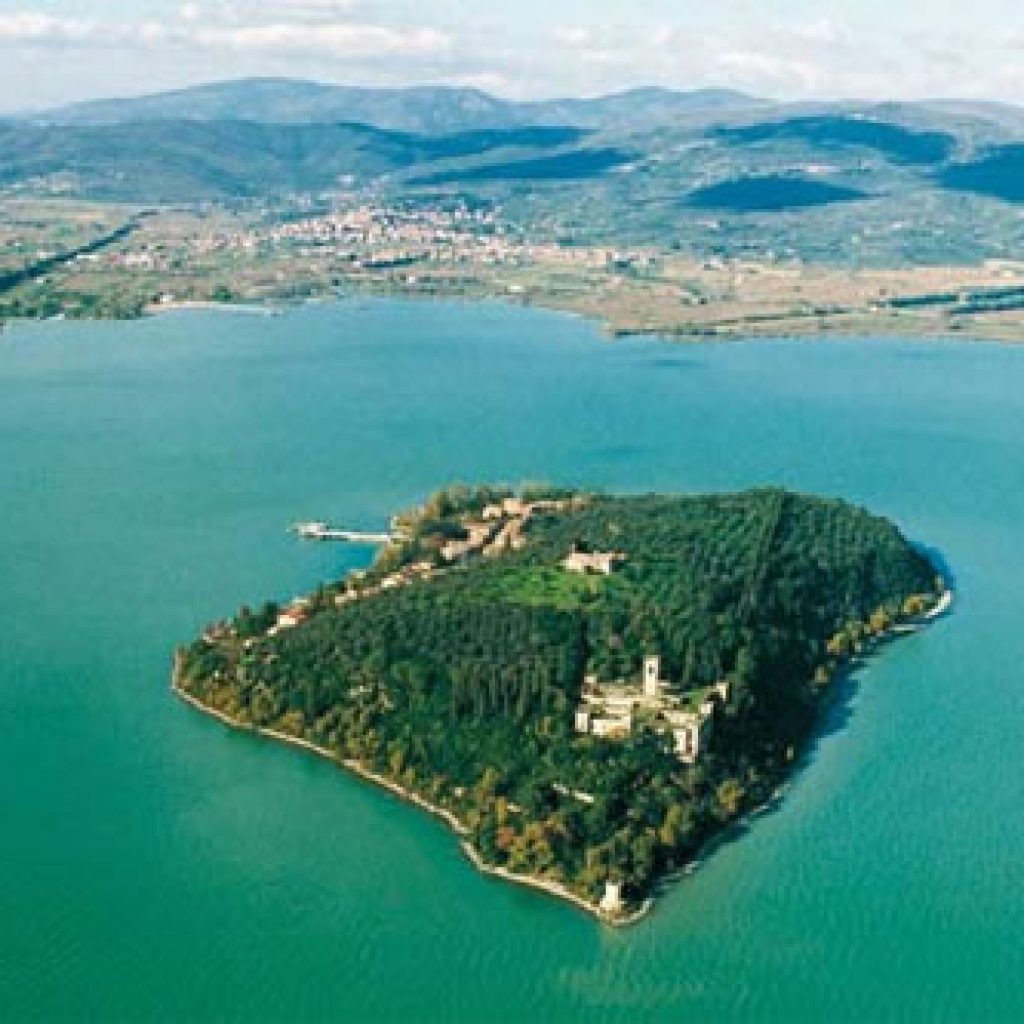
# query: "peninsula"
[586,688]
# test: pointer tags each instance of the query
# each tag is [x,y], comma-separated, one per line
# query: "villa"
[294,615]
[597,563]
[615,710]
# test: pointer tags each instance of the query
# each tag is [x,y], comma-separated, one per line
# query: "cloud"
[822,32]
[787,58]
[336,39]
[456,41]
[770,72]
[36,27]
[316,8]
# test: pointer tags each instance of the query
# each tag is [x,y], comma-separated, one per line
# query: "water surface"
[154,866]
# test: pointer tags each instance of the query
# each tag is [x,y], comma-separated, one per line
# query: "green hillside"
[998,173]
[186,161]
[457,674]
[770,193]
[710,173]
[433,110]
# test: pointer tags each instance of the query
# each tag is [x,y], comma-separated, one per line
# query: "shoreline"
[707,848]
[713,332]
[840,328]
[778,795]
[851,325]
[547,886]
[944,604]
[210,305]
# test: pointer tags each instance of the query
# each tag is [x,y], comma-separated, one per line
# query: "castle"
[615,710]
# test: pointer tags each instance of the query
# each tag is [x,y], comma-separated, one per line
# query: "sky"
[64,50]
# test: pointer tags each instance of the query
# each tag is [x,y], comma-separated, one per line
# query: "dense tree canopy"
[462,685]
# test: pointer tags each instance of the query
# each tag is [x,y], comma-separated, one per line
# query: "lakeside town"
[270,256]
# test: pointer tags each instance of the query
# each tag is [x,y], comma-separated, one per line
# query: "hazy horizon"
[639,86]
[70,50]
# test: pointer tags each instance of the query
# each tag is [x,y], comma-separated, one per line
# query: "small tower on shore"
[652,676]
[611,902]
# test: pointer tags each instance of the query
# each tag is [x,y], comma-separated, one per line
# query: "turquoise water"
[154,866]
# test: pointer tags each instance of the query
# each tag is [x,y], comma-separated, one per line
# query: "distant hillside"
[894,141]
[288,101]
[999,174]
[638,109]
[770,193]
[641,168]
[431,110]
[183,161]
[576,165]
[1004,115]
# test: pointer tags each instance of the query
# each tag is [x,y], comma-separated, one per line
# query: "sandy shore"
[253,308]
[944,604]
[541,884]
[552,888]
[555,889]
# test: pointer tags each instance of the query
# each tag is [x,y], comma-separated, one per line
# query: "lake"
[154,866]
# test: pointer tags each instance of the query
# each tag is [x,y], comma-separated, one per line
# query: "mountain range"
[648,165]
[425,110]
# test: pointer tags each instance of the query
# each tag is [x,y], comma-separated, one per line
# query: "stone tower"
[652,675]
[612,903]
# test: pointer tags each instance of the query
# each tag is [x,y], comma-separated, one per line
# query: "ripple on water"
[155,866]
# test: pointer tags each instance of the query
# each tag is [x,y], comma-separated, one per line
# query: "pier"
[324,531]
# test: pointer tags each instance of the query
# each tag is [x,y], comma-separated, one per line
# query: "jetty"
[316,530]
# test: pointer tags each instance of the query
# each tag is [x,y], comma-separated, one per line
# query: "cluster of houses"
[295,614]
[615,710]
[373,236]
[501,528]
[299,610]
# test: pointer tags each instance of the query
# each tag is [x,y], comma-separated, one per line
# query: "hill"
[838,132]
[770,193]
[430,110]
[998,173]
[186,161]
[710,173]
[490,665]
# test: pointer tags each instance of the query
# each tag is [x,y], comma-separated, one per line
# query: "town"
[260,255]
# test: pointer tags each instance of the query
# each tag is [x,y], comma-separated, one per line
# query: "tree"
[728,798]
[676,825]
[879,622]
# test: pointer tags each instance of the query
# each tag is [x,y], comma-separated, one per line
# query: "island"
[587,688]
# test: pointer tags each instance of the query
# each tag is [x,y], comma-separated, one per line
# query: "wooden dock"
[323,531]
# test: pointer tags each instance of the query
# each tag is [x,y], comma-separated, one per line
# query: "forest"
[460,683]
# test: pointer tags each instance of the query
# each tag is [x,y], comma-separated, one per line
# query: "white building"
[612,726]
[598,563]
[653,685]
[612,902]
[610,711]
[691,731]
